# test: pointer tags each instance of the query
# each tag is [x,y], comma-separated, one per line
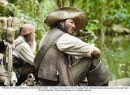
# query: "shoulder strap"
[18,44]
[49,40]
[19,41]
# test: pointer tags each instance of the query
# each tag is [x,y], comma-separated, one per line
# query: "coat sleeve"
[65,76]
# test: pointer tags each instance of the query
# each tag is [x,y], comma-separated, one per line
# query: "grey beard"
[33,46]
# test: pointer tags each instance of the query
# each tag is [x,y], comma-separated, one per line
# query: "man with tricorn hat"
[55,61]
[23,55]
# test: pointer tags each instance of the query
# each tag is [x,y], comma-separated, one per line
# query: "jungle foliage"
[104,16]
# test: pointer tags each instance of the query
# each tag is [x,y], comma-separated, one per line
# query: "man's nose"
[73,25]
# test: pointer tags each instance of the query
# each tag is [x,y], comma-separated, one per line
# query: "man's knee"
[98,74]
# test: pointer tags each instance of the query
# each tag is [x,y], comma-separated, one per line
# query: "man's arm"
[74,46]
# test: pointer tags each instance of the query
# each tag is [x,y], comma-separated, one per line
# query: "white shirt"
[74,46]
[23,50]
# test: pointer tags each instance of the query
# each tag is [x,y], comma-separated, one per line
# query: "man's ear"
[62,23]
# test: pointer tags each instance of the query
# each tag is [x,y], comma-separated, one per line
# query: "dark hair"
[59,26]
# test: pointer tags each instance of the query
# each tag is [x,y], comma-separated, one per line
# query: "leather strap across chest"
[51,37]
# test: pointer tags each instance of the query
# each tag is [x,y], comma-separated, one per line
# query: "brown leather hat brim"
[65,13]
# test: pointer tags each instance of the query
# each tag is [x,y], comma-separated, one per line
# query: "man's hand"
[96,52]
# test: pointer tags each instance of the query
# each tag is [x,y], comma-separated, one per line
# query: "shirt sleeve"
[74,46]
[25,53]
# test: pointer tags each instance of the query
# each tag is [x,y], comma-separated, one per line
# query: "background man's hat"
[67,12]
[27,29]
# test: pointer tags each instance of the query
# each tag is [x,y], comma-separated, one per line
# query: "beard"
[33,45]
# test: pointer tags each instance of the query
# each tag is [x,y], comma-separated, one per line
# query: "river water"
[115,55]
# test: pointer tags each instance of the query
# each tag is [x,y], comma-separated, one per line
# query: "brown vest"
[55,66]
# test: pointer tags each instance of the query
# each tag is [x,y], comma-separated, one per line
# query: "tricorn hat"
[65,13]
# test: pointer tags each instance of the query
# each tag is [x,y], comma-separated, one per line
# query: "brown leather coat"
[55,66]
